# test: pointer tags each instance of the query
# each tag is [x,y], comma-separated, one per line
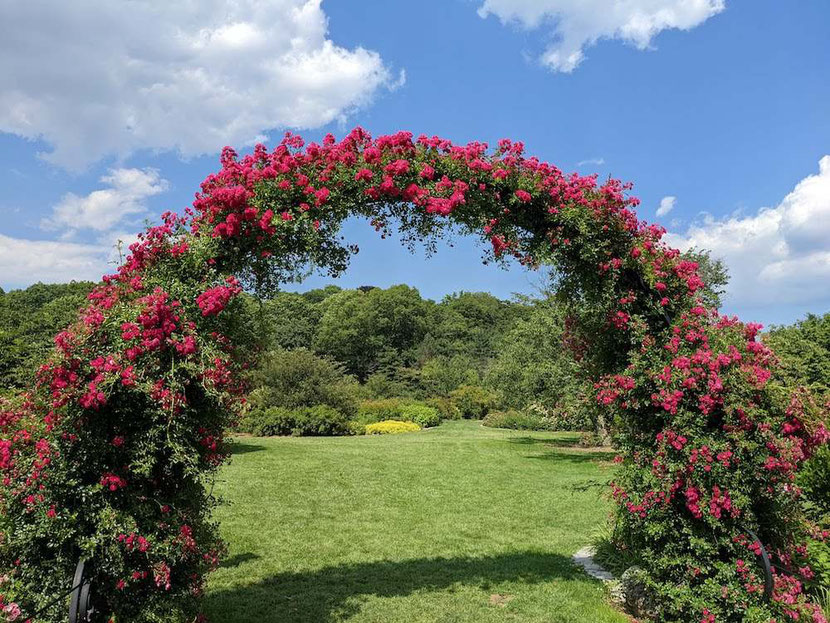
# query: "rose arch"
[111,455]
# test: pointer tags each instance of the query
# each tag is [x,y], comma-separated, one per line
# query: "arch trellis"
[110,456]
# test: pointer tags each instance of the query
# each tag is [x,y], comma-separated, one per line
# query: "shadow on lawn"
[569,442]
[238,559]
[333,592]
[243,448]
[575,457]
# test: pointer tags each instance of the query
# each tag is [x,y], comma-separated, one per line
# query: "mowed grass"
[455,524]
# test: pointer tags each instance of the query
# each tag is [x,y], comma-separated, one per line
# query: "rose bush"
[111,454]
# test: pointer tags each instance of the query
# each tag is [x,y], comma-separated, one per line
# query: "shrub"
[472,401]
[815,482]
[371,411]
[724,445]
[446,408]
[422,415]
[388,427]
[518,420]
[299,378]
[814,479]
[320,420]
[820,564]
[570,416]
[267,422]
[357,428]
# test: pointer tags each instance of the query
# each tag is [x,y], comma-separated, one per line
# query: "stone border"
[627,593]
[585,558]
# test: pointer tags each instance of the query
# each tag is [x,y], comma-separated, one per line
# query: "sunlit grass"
[459,523]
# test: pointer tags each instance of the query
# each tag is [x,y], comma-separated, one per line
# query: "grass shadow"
[566,443]
[243,448]
[574,457]
[238,559]
[529,441]
[330,593]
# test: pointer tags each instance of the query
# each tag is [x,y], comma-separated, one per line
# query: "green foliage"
[371,330]
[804,351]
[290,320]
[469,325]
[473,401]
[379,385]
[714,273]
[731,483]
[318,295]
[534,367]
[814,479]
[320,420]
[445,406]
[442,374]
[423,415]
[371,411]
[578,414]
[536,418]
[299,378]
[29,319]
[518,420]
[820,565]
[612,554]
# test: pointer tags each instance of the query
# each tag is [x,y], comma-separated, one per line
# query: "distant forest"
[485,353]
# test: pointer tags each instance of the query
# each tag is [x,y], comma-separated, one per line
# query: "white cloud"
[100,78]
[578,24]
[101,210]
[23,262]
[595,161]
[666,205]
[779,255]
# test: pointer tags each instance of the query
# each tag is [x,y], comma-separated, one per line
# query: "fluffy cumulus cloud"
[100,78]
[779,255]
[104,215]
[101,210]
[578,24]
[666,205]
[23,262]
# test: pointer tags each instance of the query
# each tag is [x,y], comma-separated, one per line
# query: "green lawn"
[455,524]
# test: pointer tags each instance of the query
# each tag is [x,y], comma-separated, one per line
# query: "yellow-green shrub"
[391,427]
[422,415]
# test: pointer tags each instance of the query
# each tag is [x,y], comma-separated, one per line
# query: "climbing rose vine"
[110,456]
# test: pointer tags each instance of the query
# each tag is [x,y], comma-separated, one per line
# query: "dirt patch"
[500,600]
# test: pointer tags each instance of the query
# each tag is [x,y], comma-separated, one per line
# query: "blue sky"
[718,111]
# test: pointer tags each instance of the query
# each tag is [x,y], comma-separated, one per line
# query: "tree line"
[374,343]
